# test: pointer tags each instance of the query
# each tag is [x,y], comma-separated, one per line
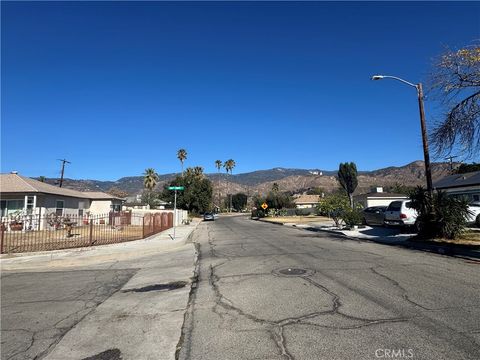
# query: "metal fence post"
[91,233]
[2,235]
[143,226]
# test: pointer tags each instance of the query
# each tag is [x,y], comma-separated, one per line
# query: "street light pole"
[426,153]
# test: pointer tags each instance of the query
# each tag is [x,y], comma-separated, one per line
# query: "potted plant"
[16,221]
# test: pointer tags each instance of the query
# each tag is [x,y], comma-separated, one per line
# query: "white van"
[399,213]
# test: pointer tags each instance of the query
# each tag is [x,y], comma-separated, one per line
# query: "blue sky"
[116,87]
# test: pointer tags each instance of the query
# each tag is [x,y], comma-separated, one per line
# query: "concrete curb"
[448,250]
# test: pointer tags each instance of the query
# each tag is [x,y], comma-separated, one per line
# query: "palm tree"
[275,187]
[182,156]
[229,165]
[218,165]
[150,179]
[198,171]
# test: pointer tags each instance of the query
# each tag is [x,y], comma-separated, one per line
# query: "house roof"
[98,195]
[14,183]
[458,180]
[307,199]
[381,195]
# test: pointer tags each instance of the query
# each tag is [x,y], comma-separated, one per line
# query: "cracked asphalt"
[359,300]
[39,308]
[118,302]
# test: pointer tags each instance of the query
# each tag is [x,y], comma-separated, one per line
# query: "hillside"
[293,180]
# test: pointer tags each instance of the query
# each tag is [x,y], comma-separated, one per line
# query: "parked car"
[474,217]
[208,217]
[374,215]
[399,213]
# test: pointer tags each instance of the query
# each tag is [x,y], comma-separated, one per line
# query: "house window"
[30,204]
[59,207]
[80,212]
[9,207]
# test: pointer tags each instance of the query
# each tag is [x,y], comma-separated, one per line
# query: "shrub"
[334,206]
[439,216]
[352,217]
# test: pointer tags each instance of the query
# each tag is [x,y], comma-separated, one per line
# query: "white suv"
[399,213]
[474,216]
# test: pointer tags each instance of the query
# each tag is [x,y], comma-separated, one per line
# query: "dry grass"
[470,238]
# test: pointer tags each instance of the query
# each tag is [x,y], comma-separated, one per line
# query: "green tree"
[182,156]
[275,187]
[334,206]
[42,178]
[455,81]
[218,165]
[316,191]
[347,176]
[239,201]
[229,165]
[150,198]
[197,195]
[466,168]
[150,179]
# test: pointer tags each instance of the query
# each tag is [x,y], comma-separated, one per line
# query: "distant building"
[465,186]
[306,201]
[378,198]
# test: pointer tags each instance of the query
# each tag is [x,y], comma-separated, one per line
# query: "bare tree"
[455,81]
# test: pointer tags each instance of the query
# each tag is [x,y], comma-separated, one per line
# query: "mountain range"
[293,180]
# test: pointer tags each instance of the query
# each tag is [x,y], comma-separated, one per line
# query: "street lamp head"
[377,77]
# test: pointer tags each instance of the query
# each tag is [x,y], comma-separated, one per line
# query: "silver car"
[208,217]
[374,215]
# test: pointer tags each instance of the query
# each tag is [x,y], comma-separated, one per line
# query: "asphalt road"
[356,300]
[117,302]
[39,308]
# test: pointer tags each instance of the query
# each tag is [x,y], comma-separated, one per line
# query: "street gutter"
[452,250]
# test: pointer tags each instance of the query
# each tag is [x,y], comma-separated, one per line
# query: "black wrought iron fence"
[28,233]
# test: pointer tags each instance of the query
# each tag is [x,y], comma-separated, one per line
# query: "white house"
[34,197]
[378,198]
[466,185]
[306,201]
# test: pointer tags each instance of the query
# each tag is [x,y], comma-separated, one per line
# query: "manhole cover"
[293,271]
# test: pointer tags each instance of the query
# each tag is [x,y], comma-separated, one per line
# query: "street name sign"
[176,188]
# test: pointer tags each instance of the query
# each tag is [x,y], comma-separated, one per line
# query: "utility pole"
[428,171]
[450,160]
[63,169]
[426,154]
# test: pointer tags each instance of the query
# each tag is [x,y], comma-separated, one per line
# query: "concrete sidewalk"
[141,319]
[105,254]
